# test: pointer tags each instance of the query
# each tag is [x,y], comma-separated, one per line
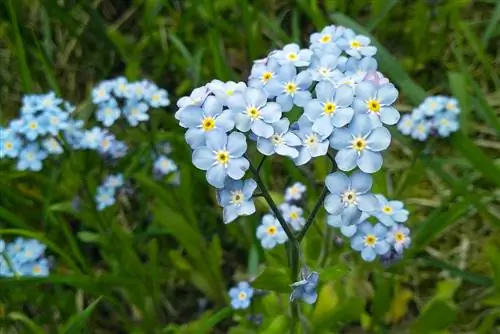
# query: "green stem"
[313,214]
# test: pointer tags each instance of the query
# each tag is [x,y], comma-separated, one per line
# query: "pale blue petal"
[389,115]
[370,162]
[379,139]
[346,159]
[304,80]
[361,125]
[225,121]
[287,73]
[337,183]
[236,102]
[310,298]
[325,91]
[255,97]
[387,94]
[341,139]
[302,97]
[369,51]
[320,149]
[212,106]
[344,96]
[195,137]
[247,208]
[243,122]
[367,202]
[265,146]
[400,216]
[216,176]
[262,129]
[323,125]
[282,125]
[192,118]
[236,144]
[229,214]
[203,158]
[368,254]
[286,102]
[237,167]
[333,204]
[357,243]
[271,113]
[303,158]
[349,230]
[334,220]
[287,151]
[361,182]
[342,117]
[216,140]
[274,87]
[291,139]
[313,109]
[365,91]
[382,247]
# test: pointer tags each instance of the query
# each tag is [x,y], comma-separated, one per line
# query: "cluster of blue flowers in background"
[106,193]
[435,116]
[23,257]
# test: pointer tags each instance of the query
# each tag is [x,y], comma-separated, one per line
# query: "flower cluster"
[106,192]
[344,105]
[241,295]
[23,257]
[436,116]
[350,205]
[117,98]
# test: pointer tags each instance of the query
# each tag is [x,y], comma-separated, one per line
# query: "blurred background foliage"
[171,273]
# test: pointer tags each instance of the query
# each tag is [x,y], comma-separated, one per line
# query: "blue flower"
[270,233]
[196,98]
[105,197]
[376,102]
[370,241]
[31,157]
[452,105]
[390,212]
[282,142]
[114,181]
[120,87]
[328,36]
[313,143]
[54,121]
[406,125]
[30,104]
[26,258]
[399,237]
[356,45]
[10,144]
[305,289]
[432,105]
[253,112]
[295,192]
[157,97]
[108,112]
[222,156]
[164,165]
[331,108]
[446,123]
[102,92]
[236,199]
[201,121]
[360,68]
[261,73]
[24,250]
[360,144]
[421,130]
[136,112]
[349,196]
[92,138]
[38,268]
[324,67]
[52,146]
[290,88]
[32,127]
[223,90]
[293,216]
[137,90]
[292,54]
[347,228]
[49,102]
[241,295]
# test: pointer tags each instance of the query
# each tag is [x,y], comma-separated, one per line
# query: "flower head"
[313,143]
[377,102]
[305,289]
[241,295]
[290,88]
[295,192]
[108,112]
[399,237]
[270,232]
[236,199]
[261,73]
[370,241]
[282,141]
[136,112]
[356,45]
[390,212]
[293,216]
[105,197]
[292,54]
[31,158]
[163,165]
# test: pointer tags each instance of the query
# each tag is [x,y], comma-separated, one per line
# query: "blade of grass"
[458,84]
[77,323]
[495,19]
[386,8]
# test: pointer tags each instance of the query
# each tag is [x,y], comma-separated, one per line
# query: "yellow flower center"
[290,88]
[242,295]
[276,139]
[237,197]
[208,124]
[292,56]
[323,71]
[355,44]
[135,111]
[33,125]
[8,145]
[30,156]
[359,144]
[444,121]
[164,164]
[400,237]
[373,105]
[311,140]
[325,39]
[272,230]
[105,143]
[266,76]
[294,190]
[101,92]
[229,92]
[421,128]
[294,215]
[450,106]
[155,97]
[349,197]
[329,108]
[222,157]
[253,112]
[37,269]
[387,209]
[108,111]
[370,240]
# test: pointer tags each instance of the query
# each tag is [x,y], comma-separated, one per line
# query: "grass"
[155,275]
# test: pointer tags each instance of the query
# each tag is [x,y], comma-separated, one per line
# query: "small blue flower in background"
[432,105]
[399,237]
[270,233]
[108,112]
[329,35]
[377,102]
[157,97]
[201,121]
[292,54]
[406,124]
[370,241]
[114,181]
[290,88]
[241,296]
[164,166]
[221,157]
[390,212]
[360,144]
[223,90]
[295,192]
[282,142]
[136,112]
[52,146]
[446,123]
[451,105]
[236,199]
[31,157]
[91,138]
[293,216]
[105,197]
[305,289]
[331,108]
[102,92]
[421,130]
[10,144]
[32,127]
[356,45]
[261,73]
[26,257]
[253,112]
[349,196]
[313,144]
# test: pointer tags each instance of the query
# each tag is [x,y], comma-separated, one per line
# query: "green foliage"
[171,273]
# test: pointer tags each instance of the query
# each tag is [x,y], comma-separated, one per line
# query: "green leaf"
[458,84]
[333,273]
[455,271]
[27,322]
[273,279]
[77,323]
[493,254]
[492,25]
[211,322]
[437,316]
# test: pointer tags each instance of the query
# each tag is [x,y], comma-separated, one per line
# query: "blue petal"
[216,140]
[382,247]
[303,158]
[325,91]
[236,144]
[342,117]
[323,125]
[291,139]
[313,109]
[346,159]
[368,254]
[271,113]
[334,220]
[237,167]
[286,102]
[255,97]
[341,139]
[195,137]
[349,230]
[365,91]
[287,73]
[337,183]
[387,94]
[274,87]
[389,115]
[247,208]
[249,187]
[304,80]
[361,125]
[243,122]
[192,118]
[361,182]
[287,151]
[265,146]
[370,162]
[229,214]
[212,106]
[344,96]
[281,126]
[216,176]
[357,243]
[310,298]
[367,202]
[236,102]
[225,121]
[262,129]
[203,158]
[333,204]
[301,98]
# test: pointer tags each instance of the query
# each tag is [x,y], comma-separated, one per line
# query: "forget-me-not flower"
[136,112]
[261,73]
[347,228]
[446,123]
[324,67]
[356,45]
[399,237]
[157,97]
[293,54]
[370,241]
[31,157]
[241,295]
[108,112]
[331,108]
[105,197]
[406,125]
[270,232]
[10,144]
[290,88]
[282,142]
[421,130]
[114,181]
[52,146]
[236,199]
[377,102]
[223,90]
[295,192]
[360,144]
[390,212]
[313,143]
[293,216]
[164,165]
[305,289]
[222,156]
